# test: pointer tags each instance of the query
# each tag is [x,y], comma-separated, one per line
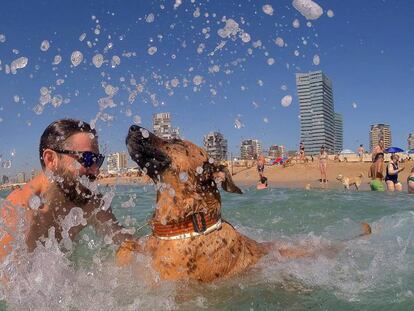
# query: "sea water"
[368,273]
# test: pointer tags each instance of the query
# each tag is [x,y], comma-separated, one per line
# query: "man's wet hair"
[263,180]
[56,134]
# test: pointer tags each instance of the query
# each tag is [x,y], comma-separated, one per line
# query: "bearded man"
[63,198]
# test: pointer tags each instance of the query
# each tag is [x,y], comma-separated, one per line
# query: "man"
[301,151]
[63,198]
[378,160]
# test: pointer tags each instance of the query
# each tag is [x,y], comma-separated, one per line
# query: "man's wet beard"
[71,187]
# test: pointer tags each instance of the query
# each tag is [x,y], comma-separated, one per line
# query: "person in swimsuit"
[377,167]
[410,181]
[361,152]
[391,177]
[260,165]
[323,161]
[301,151]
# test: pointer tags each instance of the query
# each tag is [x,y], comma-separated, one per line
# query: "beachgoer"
[262,184]
[260,165]
[377,167]
[301,151]
[70,160]
[361,152]
[323,162]
[391,178]
[410,181]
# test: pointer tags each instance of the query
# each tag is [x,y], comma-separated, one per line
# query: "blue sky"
[366,49]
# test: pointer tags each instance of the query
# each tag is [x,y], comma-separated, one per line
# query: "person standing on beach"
[361,152]
[377,167]
[260,165]
[70,160]
[323,164]
[302,151]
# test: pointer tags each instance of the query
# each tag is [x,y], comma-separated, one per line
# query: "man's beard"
[71,186]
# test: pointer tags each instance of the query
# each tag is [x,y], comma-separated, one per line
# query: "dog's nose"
[134,128]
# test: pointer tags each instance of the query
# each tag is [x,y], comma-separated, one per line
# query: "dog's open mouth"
[145,149]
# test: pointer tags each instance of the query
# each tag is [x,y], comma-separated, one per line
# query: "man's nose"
[94,170]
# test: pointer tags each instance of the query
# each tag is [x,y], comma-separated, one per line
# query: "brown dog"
[350,181]
[189,239]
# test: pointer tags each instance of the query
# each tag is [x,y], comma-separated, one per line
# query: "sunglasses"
[85,158]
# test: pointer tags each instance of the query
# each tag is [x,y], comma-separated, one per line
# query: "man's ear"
[223,175]
[50,159]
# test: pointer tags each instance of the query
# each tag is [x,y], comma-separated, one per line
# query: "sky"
[160,56]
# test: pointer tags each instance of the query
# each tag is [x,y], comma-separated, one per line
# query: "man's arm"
[105,223]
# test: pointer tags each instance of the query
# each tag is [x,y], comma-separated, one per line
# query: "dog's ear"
[223,175]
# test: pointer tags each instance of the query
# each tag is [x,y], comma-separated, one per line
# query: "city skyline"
[157,58]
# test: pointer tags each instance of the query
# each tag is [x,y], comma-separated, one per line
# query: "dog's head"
[340,177]
[182,171]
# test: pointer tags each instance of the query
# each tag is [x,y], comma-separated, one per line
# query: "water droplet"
[150,18]
[330,13]
[137,120]
[270,61]
[354,105]
[82,37]
[152,50]
[296,23]
[199,170]
[316,60]
[267,9]
[76,58]
[197,80]
[2,38]
[145,133]
[238,124]
[116,61]
[286,101]
[183,176]
[97,60]
[16,98]
[245,37]
[56,60]
[18,63]
[280,42]
[308,8]
[45,45]
[57,100]
[35,202]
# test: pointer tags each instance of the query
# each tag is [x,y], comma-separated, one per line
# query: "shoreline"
[298,176]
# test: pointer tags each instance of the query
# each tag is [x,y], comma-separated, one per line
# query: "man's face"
[73,175]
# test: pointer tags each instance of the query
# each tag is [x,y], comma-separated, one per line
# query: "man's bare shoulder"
[20,197]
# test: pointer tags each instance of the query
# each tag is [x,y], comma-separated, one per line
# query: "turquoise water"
[371,273]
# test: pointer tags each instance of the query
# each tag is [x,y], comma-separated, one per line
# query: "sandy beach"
[296,176]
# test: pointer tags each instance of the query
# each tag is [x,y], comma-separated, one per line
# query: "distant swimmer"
[70,160]
[262,184]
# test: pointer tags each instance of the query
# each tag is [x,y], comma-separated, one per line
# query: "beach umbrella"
[411,151]
[347,151]
[393,150]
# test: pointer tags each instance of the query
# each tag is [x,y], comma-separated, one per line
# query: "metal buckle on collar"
[195,222]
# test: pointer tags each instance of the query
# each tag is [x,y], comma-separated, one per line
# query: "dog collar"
[192,226]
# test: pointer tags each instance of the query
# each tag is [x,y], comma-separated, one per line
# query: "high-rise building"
[339,133]
[21,177]
[250,149]
[216,146]
[117,162]
[317,119]
[276,151]
[4,179]
[410,141]
[161,123]
[377,132]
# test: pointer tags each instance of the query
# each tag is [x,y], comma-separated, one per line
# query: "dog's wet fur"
[187,183]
